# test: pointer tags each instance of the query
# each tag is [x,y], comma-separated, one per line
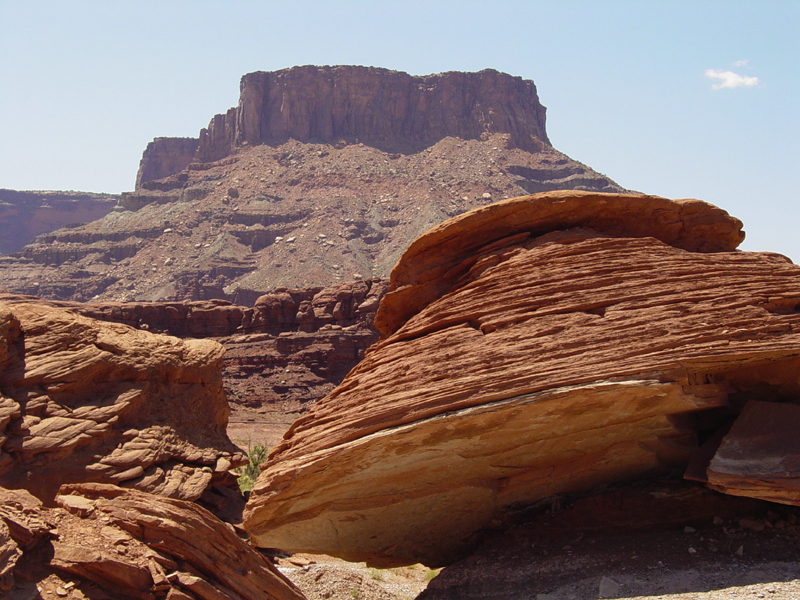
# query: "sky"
[680,99]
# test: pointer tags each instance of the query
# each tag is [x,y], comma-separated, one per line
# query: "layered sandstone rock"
[284,353]
[129,544]
[85,400]
[321,175]
[386,109]
[164,157]
[760,456]
[24,215]
[535,355]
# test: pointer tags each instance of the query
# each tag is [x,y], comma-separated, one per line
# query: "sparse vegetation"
[249,473]
[431,573]
[376,574]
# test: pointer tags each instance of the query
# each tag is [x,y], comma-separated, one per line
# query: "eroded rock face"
[163,157]
[24,215]
[284,353]
[527,364]
[130,544]
[85,400]
[386,109]
[321,175]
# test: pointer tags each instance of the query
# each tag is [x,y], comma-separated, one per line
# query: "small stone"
[692,550]
[60,591]
[751,524]
[168,230]
[169,261]
[740,551]
[717,520]
[608,588]
[487,196]
[290,240]
[689,529]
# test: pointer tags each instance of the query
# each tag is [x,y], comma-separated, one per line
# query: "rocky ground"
[296,214]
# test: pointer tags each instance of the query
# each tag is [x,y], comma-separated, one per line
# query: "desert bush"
[249,472]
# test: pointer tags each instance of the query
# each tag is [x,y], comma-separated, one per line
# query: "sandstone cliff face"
[282,354]
[104,541]
[320,175]
[296,215]
[84,400]
[389,110]
[24,215]
[536,364]
[164,157]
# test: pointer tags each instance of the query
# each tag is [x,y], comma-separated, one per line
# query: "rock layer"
[390,110]
[321,175]
[84,400]
[551,363]
[760,456]
[25,215]
[164,157]
[130,544]
[435,261]
[282,354]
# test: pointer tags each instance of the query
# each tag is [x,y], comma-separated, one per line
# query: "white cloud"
[729,79]
[741,63]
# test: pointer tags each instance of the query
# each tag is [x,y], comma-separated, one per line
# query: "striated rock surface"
[104,541]
[390,110]
[760,456]
[321,175]
[542,363]
[84,400]
[282,354]
[24,215]
[434,262]
[164,157]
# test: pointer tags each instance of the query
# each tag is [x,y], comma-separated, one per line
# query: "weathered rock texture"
[282,354]
[84,400]
[108,542]
[24,215]
[760,456]
[542,363]
[324,175]
[390,110]
[164,157]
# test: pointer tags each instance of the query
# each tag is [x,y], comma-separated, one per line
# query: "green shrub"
[249,472]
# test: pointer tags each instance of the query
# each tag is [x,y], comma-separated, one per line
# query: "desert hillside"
[321,175]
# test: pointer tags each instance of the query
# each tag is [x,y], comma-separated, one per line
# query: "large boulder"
[88,401]
[544,345]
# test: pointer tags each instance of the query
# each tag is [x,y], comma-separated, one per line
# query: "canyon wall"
[165,156]
[389,110]
[24,215]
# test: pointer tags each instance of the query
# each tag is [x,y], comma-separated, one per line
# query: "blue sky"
[629,85]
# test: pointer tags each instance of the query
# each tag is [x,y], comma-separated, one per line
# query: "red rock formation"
[285,353]
[543,363]
[390,110]
[85,400]
[25,215]
[325,174]
[760,456]
[129,544]
[435,261]
[165,156]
